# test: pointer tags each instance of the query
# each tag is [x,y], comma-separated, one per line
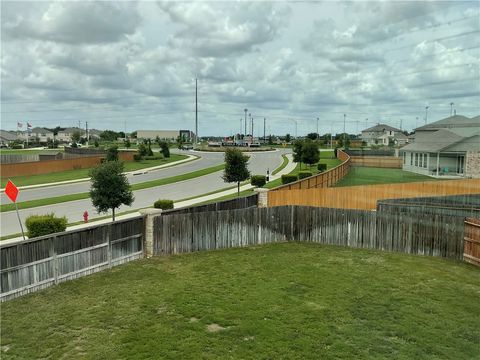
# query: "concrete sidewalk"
[140,171]
[290,167]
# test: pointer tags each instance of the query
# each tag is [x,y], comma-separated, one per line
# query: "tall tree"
[310,153]
[112,153]
[297,151]
[288,138]
[235,167]
[76,135]
[109,187]
[312,136]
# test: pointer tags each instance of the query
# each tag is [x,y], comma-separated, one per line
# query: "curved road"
[73,210]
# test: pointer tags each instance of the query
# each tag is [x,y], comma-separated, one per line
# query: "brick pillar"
[148,238]
[262,197]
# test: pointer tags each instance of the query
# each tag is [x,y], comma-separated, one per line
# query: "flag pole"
[20,221]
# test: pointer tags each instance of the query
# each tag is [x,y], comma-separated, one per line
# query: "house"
[450,146]
[37,134]
[7,137]
[65,136]
[383,134]
[170,135]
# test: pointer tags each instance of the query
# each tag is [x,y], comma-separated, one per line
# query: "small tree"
[312,136]
[110,187]
[288,138]
[297,151]
[76,135]
[112,153]
[235,167]
[127,143]
[96,144]
[310,153]
[164,149]
[180,141]
[270,140]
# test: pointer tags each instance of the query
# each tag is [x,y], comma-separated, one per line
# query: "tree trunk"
[238,187]
[113,214]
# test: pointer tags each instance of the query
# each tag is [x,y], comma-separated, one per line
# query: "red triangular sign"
[11,191]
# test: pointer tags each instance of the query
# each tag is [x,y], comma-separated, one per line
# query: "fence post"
[150,215]
[55,261]
[262,197]
[109,245]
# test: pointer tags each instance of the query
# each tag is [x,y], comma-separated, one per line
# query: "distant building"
[7,137]
[450,146]
[383,134]
[37,134]
[65,136]
[168,135]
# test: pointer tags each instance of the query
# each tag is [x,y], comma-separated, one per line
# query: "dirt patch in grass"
[213,328]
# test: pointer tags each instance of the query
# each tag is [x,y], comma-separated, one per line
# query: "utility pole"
[451,108]
[196,111]
[426,114]
[264,121]
[125,129]
[317,128]
[86,131]
[344,120]
[240,133]
[252,130]
[245,133]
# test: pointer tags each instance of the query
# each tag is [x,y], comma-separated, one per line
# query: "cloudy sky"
[133,64]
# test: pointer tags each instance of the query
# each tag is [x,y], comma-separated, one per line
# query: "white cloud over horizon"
[135,63]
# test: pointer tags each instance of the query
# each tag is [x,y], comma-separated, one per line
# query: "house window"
[460,164]
[404,158]
[411,159]
[416,159]
[425,160]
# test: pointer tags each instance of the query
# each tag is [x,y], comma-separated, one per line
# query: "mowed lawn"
[372,176]
[279,301]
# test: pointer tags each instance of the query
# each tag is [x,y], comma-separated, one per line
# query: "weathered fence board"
[423,234]
[238,203]
[37,263]
[471,251]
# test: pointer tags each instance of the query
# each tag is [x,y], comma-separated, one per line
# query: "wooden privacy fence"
[238,203]
[471,252]
[322,180]
[52,166]
[430,234]
[38,263]
[366,196]
[377,161]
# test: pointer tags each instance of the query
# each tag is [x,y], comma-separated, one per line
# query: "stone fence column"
[262,197]
[148,239]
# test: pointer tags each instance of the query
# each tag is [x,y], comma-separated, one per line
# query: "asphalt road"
[73,210]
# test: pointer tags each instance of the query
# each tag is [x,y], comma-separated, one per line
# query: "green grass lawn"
[372,176]
[279,301]
[83,173]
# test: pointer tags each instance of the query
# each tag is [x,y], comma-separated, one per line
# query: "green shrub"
[154,157]
[39,225]
[137,157]
[304,174]
[258,180]
[286,179]
[163,204]
[112,153]
[322,167]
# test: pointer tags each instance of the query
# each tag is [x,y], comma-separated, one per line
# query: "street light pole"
[245,133]
[317,129]
[344,120]
[196,112]
[426,114]
[451,108]
[264,121]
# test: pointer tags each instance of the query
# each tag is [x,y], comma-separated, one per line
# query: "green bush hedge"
[39,225]
[154,157]
[258,180]
[286,179]
[304,174]
[163,204]
[322,167]
[137,157]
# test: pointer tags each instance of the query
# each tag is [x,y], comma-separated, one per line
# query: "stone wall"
[472,164]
